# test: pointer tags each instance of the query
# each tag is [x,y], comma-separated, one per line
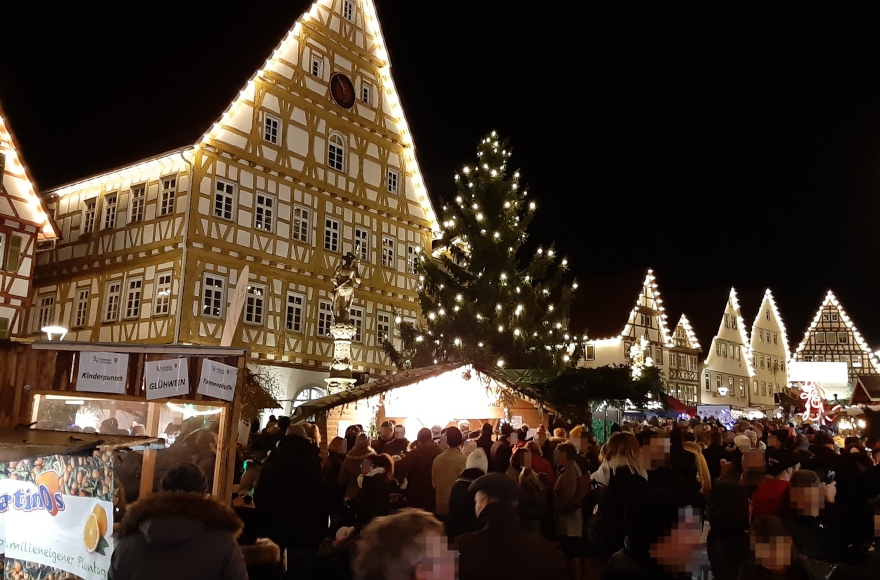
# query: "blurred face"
[677,551]
[773,442]
[774,554]
[807,501]
[439,561]
[656,451]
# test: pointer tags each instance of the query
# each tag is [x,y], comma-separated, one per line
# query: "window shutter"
[13,257]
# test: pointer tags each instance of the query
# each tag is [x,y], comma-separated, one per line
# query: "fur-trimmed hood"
[359,453]
[171,517]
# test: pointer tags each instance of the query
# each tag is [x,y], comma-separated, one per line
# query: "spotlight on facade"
[723,391]
[54,330]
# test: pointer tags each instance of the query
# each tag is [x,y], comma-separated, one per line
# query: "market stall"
[187,396]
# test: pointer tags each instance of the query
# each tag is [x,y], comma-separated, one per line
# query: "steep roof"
[866,390]
[830,301]
[18,196]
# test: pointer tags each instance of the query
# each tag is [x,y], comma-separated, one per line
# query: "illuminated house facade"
[727,370]
[675,354]
[769,346]
[311,160]
[833,337]
[24,224]
[683,368]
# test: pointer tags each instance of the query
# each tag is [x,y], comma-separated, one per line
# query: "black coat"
[499,455]
[415,468]
[290,494]
[372,501]
[501,550]
[461,518]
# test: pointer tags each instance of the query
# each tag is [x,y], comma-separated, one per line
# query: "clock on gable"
[342,90]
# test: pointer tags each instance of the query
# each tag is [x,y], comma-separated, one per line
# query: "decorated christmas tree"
[482,299]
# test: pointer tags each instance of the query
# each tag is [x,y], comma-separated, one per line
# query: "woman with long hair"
[377,483]
[621,449]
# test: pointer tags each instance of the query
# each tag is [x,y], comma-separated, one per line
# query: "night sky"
[721,145]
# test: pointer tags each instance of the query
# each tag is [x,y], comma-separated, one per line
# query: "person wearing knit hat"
[352,465]
[662,539]
[445,470]
[742,443]
[499,549]
[462,519]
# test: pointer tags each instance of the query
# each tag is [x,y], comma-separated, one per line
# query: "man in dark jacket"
[290,498]
[662,539]
[179,533]
[500,549]
[415,469]
[499,456]
[461,518]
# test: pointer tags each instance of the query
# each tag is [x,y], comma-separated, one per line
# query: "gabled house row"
[313,158]
[744,366]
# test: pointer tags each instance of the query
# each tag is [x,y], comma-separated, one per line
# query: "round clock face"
[342,90]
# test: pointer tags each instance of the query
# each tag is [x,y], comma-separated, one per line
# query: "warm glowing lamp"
[50,330]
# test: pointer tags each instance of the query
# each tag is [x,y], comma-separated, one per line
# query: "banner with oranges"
[56,515]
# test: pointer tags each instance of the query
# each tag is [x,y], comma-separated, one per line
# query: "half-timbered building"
[727,370]
[24,224]
[832,336]
[683,369]
[312,159]
[769,347]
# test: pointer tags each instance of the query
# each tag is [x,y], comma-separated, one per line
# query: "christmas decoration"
[815,408]
[482,300]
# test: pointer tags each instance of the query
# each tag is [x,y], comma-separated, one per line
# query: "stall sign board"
[102,372]
[56,516]
[217,380]
[166,378]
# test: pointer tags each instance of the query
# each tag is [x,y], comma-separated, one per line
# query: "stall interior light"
[189,411]
[53,330]
[74,402]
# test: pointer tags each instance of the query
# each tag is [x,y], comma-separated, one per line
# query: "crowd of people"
[777,502]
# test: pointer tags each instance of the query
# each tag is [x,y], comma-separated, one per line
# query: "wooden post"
[148,470]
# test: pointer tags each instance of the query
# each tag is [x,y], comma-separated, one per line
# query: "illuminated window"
[388,252]
[138,199]
[301,224]
[264,212]
[162,301]
[366,92]
[383,327]
[166,195]
[272,129]
[361,244]
[393,181]
[91,207]
[357,319]
[331,235]
[133,291]
[317,66]
[112,297]
[81,308]
[325,318]
[293,318]
[412,259]
[213,296]
[46,310]
[255,304]
[336,152]
[224,198]
[590,352]
[110,210]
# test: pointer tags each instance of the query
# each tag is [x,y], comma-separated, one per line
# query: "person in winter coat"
[499,549]
[415,470]
[179,534]
[445,470]
[461,519]
[499,455]
[290,497]
[377,483]
[352,466]
[330,468]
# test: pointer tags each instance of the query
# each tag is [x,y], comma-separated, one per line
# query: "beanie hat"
[495,485]
[477,459]
[778,460]
[649,515]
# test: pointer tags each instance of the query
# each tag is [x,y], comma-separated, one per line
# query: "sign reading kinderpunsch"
[166,378]
[102,372]
[218,380]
